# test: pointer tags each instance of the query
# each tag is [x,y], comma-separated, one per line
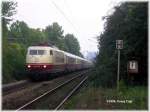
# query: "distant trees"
[18,36]
[19,30]
[68,43]
[72,44]
[128,23]
[54,33]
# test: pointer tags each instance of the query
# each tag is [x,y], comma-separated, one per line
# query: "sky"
[83,18]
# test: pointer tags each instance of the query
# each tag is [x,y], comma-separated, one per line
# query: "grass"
[127,98]
[130,98]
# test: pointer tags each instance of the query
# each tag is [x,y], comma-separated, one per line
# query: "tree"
[36,36]
[8,10]
[69,43]
[129,23]
[54,34]
[20,31]
[72,44]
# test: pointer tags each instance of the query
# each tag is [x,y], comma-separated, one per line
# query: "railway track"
[13,87]
[70,94]
[13,99]
[70,86]
[17,86]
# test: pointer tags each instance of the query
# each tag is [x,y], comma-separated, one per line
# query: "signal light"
[29,66]
[44,66]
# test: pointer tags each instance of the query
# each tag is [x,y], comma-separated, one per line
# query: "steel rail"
[10,86]
[50,91]
[69,95]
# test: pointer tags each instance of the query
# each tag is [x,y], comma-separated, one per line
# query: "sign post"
[119,45]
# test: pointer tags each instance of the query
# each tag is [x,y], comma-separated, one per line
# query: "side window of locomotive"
[33,52]
[51,52]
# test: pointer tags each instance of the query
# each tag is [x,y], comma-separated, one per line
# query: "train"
[43,61]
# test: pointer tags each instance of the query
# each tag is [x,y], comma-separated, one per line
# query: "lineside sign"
[132,66]
[119,44]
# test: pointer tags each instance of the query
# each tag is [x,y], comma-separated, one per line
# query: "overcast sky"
[83,18]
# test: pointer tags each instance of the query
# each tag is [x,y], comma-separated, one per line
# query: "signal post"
[119,46]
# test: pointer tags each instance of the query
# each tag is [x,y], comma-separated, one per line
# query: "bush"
[103,77]
[13,62]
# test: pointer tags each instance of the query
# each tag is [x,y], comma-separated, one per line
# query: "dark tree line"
[16,37]
[19,30]
[129,22]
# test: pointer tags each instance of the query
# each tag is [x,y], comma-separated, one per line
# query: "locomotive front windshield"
[37,52]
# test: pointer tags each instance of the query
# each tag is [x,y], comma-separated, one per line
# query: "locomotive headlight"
[44,66]
[29,66]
